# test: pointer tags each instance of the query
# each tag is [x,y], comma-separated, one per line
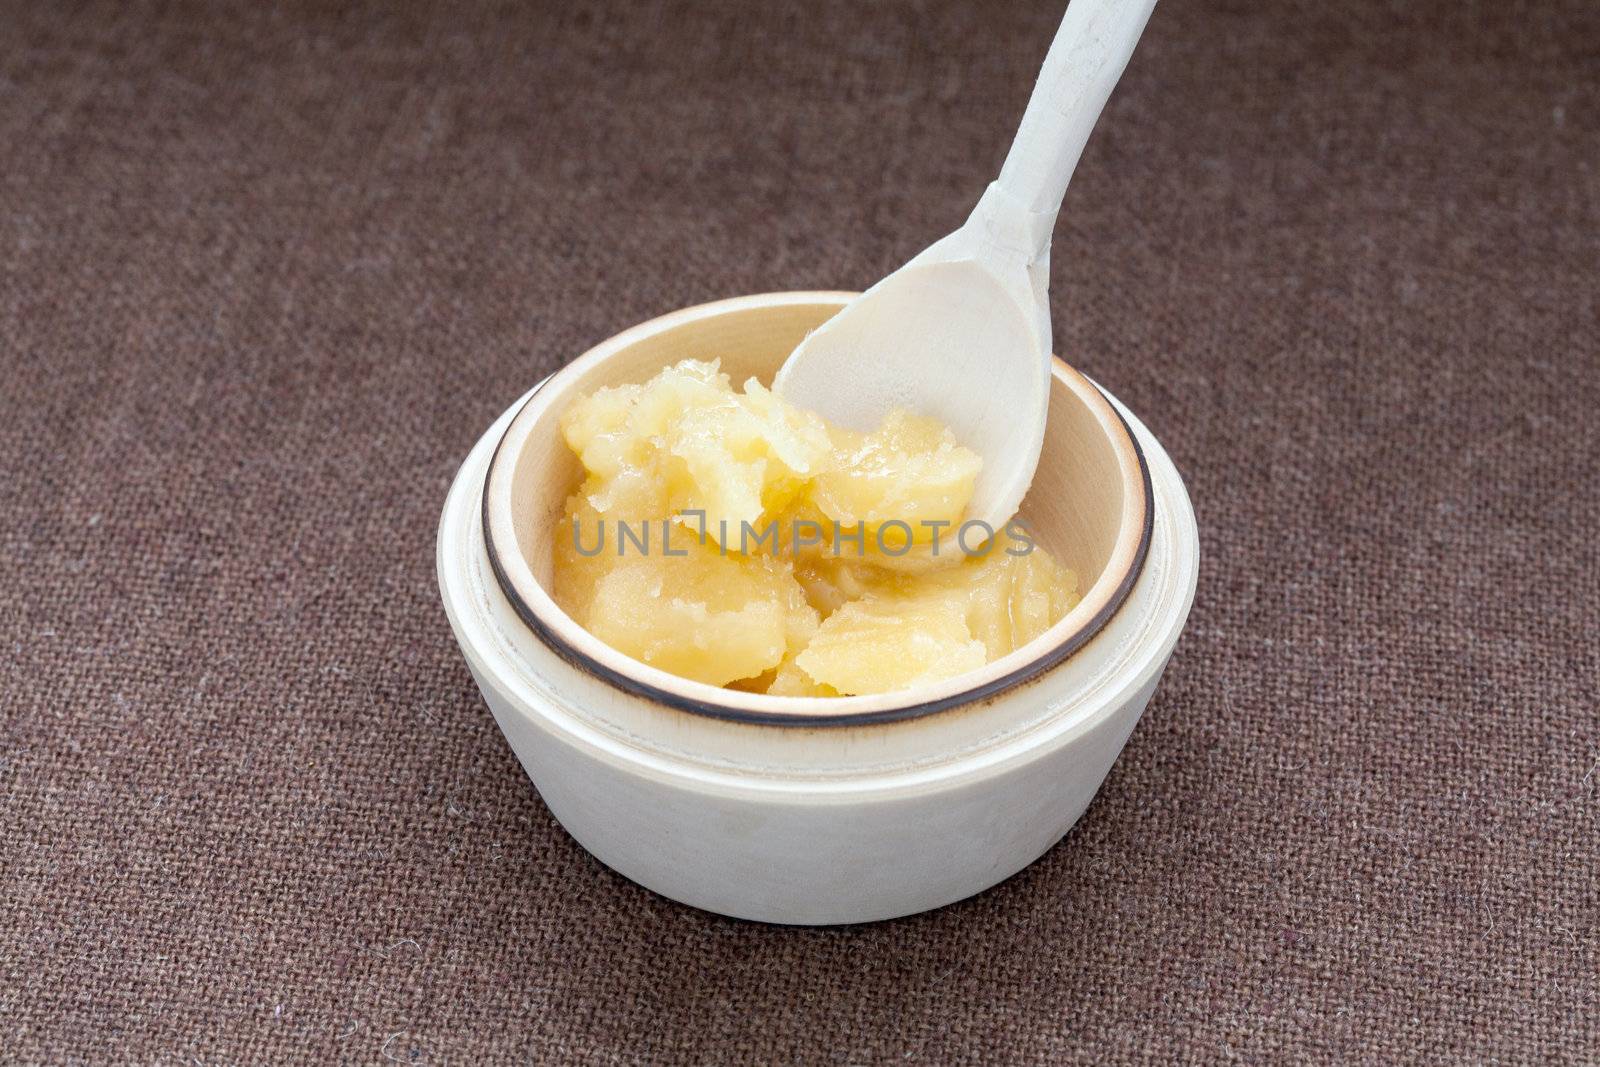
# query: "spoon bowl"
[993,378]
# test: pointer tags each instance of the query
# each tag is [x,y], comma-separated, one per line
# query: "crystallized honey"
[734,539]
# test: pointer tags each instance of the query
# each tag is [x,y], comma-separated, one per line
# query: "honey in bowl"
[731,538]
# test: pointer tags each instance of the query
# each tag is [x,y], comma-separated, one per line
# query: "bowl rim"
[564,636]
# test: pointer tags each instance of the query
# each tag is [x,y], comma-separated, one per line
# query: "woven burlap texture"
[266,272]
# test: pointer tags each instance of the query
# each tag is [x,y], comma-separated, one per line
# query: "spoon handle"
[1085,60]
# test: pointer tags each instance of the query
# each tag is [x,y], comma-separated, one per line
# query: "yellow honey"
[731,538]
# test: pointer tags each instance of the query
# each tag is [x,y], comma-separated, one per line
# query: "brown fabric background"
[266,273]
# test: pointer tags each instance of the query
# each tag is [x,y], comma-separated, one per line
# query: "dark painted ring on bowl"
[993,688]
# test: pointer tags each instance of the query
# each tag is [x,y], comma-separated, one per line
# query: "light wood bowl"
[1091,505]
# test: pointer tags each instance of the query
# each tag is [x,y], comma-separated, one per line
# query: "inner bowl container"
[1090,505]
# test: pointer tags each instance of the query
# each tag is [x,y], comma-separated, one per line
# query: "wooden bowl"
[1091,505]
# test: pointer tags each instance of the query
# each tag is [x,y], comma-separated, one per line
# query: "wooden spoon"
[962,331]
